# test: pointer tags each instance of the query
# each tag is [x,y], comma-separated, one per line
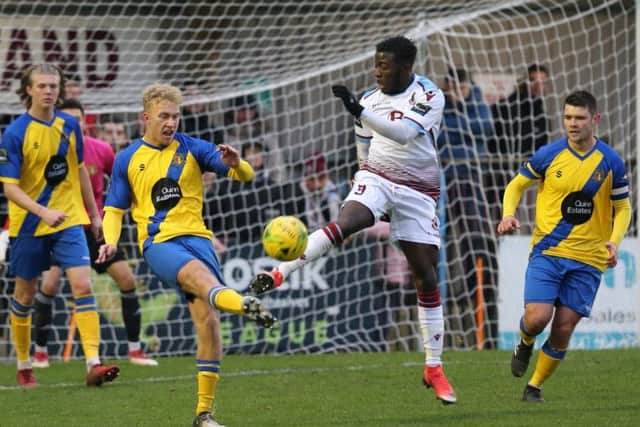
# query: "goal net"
[257,75]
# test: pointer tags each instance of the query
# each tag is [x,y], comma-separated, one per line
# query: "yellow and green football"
[285,238]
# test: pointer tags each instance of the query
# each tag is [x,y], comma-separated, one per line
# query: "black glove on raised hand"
[350,102]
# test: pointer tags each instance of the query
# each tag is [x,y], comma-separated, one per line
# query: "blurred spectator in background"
[73,90]
[521,123]
[244,124]
[316,199]
[195,119]
[522,127]
[467,119]
[467,129]
[111,128]
[400,296]
[238,211]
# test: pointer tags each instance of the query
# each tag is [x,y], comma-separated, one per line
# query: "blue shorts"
[166,259]
[554,280]
[31,255]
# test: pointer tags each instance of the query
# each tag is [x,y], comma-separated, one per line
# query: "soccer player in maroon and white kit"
[98,159]
[397,125]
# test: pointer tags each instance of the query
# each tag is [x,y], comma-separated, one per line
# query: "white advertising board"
[615,317]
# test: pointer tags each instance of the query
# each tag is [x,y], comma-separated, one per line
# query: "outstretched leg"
[353,217]
[196,279]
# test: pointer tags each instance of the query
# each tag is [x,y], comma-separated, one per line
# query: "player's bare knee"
[25,292]
[536,322]
[354,217]
[194,277]
[50,288]
[126,283]
[81,288]
[561,334]
[426,283]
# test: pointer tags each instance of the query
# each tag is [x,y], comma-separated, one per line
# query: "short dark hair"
[245,101]
[582,98]
[403,49]
[537,68]
[248,145]
[111,118]
[459,75]
[72,103]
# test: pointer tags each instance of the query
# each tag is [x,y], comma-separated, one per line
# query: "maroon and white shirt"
[414,163]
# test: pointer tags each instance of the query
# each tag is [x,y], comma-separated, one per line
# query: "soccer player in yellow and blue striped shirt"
[160,178]
[582,214]
[41,167]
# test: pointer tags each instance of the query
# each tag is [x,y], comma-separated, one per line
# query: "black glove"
[350,102]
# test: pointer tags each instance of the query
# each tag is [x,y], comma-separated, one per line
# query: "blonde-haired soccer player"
[582,186]
[160,178]
[41,166]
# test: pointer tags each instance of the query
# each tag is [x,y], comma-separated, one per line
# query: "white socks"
[432,328]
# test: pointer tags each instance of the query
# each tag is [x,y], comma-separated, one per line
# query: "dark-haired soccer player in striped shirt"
[582,213]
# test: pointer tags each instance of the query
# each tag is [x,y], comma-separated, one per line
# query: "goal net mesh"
[257,75]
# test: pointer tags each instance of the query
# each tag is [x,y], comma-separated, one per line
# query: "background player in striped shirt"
[41,166]
[98,160]
[582,213]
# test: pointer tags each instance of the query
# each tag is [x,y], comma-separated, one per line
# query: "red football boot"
[434,377]
[26,378]
[264,282]
[99,374]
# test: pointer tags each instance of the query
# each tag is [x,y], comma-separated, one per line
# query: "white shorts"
[413,214]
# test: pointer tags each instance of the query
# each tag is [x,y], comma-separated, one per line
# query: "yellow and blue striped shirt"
[163,187]
[28,148]
[574,204]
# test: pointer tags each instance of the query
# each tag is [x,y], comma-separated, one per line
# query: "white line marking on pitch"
[282,371]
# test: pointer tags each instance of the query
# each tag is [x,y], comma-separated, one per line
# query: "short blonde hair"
[158,92]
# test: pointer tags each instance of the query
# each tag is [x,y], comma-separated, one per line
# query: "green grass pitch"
[590,388]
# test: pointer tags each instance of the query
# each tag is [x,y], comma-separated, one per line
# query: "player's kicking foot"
[254,310]
[532,394]
[434,377]
[26,379]
[137,357]
[100,374]
[520,359]
[40,359]
[205,419]
[264,282]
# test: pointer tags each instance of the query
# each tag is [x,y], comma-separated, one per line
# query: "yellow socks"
[208,375]
[89,326]
[226,299]
[548,360]
[21,329]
